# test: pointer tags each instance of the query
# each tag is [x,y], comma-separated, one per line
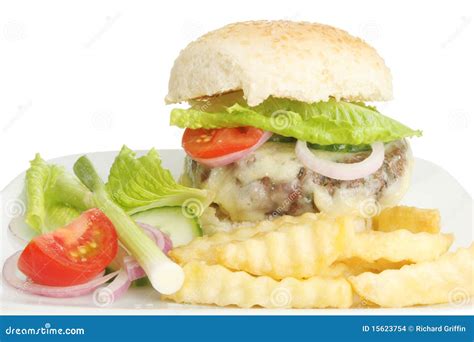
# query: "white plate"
[432,187]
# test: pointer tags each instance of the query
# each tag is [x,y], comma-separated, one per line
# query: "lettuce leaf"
[54,196]
[139,184]
[323,123]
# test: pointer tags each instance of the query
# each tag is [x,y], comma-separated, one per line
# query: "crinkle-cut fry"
[215,284]
[309,247]
[414,219]
[198,248]
[396,246]
[301,251]
[356,266]
[448,279]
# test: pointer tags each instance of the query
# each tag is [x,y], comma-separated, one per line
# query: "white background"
[91,76]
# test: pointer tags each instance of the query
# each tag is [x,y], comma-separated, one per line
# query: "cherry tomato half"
[73,254]
[211,143]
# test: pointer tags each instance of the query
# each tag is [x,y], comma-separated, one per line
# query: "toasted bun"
[301,61]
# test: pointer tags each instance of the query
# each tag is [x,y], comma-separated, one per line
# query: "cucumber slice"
[171,220]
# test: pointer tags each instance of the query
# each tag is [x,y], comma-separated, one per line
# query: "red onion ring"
[341,171]
[105,296]
[130,271]
[10,276]
[128,262]
[134,270]
[20,230]
[161,239]
[235,156]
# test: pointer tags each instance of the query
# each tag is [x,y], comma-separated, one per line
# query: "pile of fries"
[398,258]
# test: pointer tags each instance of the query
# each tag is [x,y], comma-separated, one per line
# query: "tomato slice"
[211,143]
[73,254]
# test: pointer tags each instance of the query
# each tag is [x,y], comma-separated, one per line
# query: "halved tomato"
[211,143]
[73,254]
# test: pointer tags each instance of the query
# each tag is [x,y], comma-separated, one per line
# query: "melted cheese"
[241,194]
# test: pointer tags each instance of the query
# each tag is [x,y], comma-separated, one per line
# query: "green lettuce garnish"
[323,123]
[139,184]
[54,196]
[164,275]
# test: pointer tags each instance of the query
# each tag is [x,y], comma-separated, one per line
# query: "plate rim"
[186,309]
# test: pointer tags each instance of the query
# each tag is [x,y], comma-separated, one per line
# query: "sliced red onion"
[105,296]
[130,271]
[232,157]
[20,229]
[128,262]
[10,275]
[161,239]
[134,270]
[117,263]
[341,171]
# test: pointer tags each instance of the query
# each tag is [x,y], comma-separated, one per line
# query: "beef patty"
[272,182]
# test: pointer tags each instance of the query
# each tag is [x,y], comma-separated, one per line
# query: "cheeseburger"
[278,122]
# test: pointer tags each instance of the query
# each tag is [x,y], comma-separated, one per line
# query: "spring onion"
[165,276]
